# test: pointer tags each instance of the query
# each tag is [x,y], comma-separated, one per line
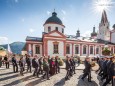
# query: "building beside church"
[55,43]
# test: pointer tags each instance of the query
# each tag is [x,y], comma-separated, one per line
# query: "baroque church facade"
[55,43]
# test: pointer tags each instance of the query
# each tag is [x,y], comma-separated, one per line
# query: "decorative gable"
[55,34]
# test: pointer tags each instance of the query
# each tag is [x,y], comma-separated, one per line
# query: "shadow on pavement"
[6,73]
[33,83]
[19,81]
[85,82]
[61,82]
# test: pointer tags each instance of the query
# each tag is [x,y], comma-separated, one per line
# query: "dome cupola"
[53,23]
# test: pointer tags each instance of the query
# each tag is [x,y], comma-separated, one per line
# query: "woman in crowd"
[52,66]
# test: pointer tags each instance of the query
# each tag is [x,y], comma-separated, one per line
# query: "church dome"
[54,19]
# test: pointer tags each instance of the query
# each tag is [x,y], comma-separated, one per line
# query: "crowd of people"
[48,66]
[44,66]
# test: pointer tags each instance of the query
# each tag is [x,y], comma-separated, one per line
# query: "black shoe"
[82,79]
[89,81]
[43,77]
[48,79]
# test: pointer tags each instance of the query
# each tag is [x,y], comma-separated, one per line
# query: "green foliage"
[1,48]
[106,51]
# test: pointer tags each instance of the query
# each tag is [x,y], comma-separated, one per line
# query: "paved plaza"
[8,78]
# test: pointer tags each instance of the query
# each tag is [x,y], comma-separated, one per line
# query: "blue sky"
[21,18]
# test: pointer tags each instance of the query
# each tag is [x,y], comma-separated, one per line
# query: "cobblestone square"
[8,78]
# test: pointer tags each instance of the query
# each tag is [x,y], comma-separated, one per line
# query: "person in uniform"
[87,70]
[104,69]
[41,65]
[35,66]
[109,72]
[15,65]
[21,64]
[57,65]
[28,61]
[74,64]
[46,68]
[113,71]
[68,67]
[6,61]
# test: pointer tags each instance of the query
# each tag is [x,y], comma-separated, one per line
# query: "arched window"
[76,49]
[49,29]
[67,49]
[84,49]
[91,49]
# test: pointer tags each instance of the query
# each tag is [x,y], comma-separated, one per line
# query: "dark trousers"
[35,71]
[57,69]
[87,74]
[73,68]
[67,74]
[7,65]
[21,70]
[46,74]
[113,82]
[29,68]
[105,76]
[15,68]
[40,70]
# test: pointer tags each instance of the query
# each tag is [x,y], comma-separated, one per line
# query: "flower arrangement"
[106,52]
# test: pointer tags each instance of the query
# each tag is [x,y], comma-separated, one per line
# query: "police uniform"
[87,71]
[15,65]
[28,61]
[35,66]
[6,61]
[68,66]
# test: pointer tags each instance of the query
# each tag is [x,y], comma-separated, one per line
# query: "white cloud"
[86,34]
[3,40]
[16,1]
[31,30]
[48,12]
[64,12]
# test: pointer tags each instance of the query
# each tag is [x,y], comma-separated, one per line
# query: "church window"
[111,50]
[56,28]
[91,49]
[55,47]
[49,29]
[97,50]
[37,49]
[67,49]
[62,30]
[84,49]
[77,49]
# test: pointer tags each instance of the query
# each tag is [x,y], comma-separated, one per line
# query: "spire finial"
[54,9]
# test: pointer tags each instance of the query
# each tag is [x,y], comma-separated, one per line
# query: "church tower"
[93,34]
[54,23]
[104,31]
[78,33]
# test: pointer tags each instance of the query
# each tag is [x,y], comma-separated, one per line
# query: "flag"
[9,49]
